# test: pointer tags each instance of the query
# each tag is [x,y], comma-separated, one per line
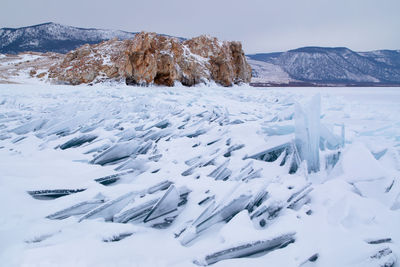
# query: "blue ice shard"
[307,132]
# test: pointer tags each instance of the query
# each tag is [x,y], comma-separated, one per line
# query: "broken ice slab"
[53,193]
[237,121]
[379,154]
[18,139]
[247,173]
[252,175]
[4,136]
[30,126]
[117,152]
[260,247]
[312,258]
[109,208]
[384,257]
[266,214]
[110,179]
[331,159]
[214,214]
[290,158]
[156,136]
[78,141]
[160,208]
[196,133]
[136,213]
[77,209]
[221,172]
[378,241]
[127,135]
[299,195]
[329,139]
[206,200]
[233,148]
[156,157]
[40,238]
[257,199]
[138,165]
[118,237]
[190,170]
[307,132]
[213,142]
[161,124]
[166,204]
[192,161]
[278,129]
[100,148]
[159,187]
[272,154]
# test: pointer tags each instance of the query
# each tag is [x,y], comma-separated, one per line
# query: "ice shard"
[307,132]
[272,154]
[77,209]
[331,159]
[167,204]
[384,257]
[299,198]
[110,179]
[118,237]
[260,247]
[196,133]
[78,141]
[53,193]
[311,259]
[257,199]
[161,124]
[233,148]
[155,136]
[31,126]
[159,187]
[212,215]
[116,152]
[158,210]
[221,172]
[108,209]
[137,213]
[378,241]
[331,140]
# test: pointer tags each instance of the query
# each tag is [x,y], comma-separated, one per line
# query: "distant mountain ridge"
[53,37]
[301,66]
[330,65]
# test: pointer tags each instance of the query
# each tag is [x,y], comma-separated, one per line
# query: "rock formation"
[90,63]
[151,58]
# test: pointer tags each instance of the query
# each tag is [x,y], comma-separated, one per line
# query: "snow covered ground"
[201,170]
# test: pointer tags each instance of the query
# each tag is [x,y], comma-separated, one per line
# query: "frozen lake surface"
[128,176]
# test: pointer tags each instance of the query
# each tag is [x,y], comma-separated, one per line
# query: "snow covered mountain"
[53,37]
[321,65]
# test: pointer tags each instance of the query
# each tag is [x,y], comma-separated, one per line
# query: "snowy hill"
[53,37]
[339,65]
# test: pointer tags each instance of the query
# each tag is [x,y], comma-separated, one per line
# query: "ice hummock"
[205,170]
[307,132]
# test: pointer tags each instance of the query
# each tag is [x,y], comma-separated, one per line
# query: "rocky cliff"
[150,58]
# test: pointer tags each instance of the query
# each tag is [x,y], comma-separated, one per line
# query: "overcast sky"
[261,25]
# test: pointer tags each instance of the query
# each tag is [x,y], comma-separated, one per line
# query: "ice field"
[111,175]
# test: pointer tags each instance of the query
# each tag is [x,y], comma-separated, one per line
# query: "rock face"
[151,58]
[91,63]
